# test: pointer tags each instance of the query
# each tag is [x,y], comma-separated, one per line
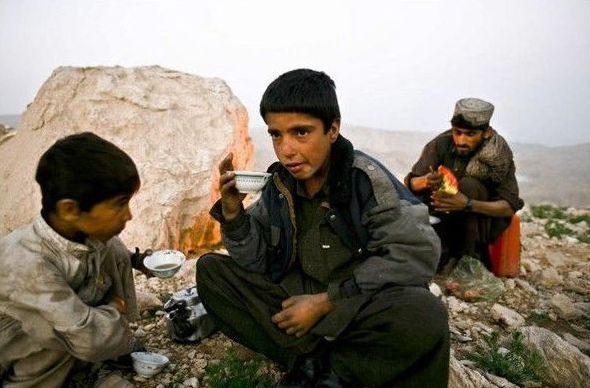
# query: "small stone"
[149,327]
[510,284]
[139,333]
[564,307]
[507,316]
[435,290]
[526,286]
[193,382]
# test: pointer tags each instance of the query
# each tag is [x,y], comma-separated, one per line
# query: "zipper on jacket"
[291,207]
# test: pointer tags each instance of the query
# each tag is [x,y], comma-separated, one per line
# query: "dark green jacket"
[371,212]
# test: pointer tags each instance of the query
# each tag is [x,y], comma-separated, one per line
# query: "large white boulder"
[175,126]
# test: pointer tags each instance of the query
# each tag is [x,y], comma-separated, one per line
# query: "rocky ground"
[552,292]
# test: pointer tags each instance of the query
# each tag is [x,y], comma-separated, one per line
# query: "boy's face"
[106,219]
[301,146]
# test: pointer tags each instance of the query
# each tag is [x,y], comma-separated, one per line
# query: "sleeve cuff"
[235,229]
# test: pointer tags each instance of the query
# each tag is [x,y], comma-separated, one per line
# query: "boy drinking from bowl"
[328,271]
[67,291]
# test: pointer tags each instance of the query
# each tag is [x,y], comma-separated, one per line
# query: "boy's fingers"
[226,164]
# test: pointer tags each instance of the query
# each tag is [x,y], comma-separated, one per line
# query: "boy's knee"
[428,316]
[206,267]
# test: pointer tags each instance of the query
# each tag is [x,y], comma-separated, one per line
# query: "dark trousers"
[397,337]
[464,233]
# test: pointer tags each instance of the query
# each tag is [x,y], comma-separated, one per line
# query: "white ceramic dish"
[147,364]
[251,181]
[164,264]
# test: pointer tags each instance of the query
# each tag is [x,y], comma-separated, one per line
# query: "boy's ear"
[67,209]
[334,130]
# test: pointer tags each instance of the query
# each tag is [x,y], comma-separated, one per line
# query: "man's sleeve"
[428,159]
[508,190]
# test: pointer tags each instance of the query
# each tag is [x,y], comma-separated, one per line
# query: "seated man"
[328,271]
[488,192]
[66,290]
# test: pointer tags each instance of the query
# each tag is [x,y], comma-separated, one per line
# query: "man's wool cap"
[473,112]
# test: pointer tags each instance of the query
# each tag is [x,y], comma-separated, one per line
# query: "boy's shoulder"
[19,250]
[385,185]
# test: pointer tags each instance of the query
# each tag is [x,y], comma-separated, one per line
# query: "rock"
[584,307]
[499,381]
[461,376]
[549,277]
[139,333]
[530,265]
[526,286]
[175,126]
[554,259]
[509,284]
[564,307]
[507,316]
[574,275]
[565,365]
[147,301]
[193,382]
[6,132]
[435,289]
[578,343]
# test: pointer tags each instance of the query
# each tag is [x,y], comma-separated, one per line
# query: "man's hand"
[431,181]
[300,313]
[444,202]
[231,199]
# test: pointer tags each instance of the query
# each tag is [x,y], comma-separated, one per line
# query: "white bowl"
[250,181]
[147,364]
[164,264]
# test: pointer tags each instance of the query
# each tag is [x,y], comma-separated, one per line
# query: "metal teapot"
[187,319]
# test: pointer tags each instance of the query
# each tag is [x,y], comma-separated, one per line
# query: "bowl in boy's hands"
[250,181]
[147,364]
[165,263]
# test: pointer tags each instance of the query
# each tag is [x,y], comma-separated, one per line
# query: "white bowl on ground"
[164,264]
[147,364]
[251,181]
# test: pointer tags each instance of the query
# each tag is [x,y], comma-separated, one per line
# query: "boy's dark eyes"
[274,134]
[301,131]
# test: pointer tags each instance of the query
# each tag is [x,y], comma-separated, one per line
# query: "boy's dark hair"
[302,91]
[86,168]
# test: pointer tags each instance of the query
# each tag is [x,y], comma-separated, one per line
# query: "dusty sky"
[397,65]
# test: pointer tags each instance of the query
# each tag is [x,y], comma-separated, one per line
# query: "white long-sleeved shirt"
[53,295]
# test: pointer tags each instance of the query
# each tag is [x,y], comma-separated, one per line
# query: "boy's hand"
[118,303]
[231,198]
[137,261]
[300,313]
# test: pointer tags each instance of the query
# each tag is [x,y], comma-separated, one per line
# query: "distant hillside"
[10,120]
[546,174]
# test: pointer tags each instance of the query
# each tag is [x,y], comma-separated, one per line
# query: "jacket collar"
[339,176]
